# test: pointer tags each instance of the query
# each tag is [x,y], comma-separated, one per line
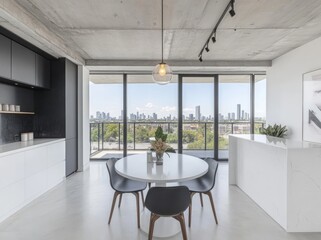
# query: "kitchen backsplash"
[12,125]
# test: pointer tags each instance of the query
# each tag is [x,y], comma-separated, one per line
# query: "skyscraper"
[238,111]
[198,113]
[243,116]
[98,115]
[154,116]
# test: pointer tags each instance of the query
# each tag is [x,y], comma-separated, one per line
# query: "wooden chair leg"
[152,220]
[143,200]
[138,211]
[113,205]
[209,194]
[120,198]
[201,198]
[181,220]
[190,211]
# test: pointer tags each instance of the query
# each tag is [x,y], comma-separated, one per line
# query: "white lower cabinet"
[27,174]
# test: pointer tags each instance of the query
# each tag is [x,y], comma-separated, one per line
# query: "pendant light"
[162,73]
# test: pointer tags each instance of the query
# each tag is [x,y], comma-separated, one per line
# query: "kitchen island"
[27,170]
[282,176]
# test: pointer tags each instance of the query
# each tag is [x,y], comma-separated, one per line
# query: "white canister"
[5,107]
[12,108]
[24,137]
[149,156]
[30,136]
[0,107]
[17,108]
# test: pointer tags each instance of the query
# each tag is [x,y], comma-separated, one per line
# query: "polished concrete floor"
[78,209]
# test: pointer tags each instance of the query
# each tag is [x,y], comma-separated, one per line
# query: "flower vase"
[159,158]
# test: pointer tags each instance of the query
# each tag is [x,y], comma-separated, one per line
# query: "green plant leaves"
[159,134]
[275,130]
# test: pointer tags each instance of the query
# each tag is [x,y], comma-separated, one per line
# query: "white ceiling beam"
[179,63]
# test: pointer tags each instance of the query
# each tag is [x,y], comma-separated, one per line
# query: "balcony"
[106,138]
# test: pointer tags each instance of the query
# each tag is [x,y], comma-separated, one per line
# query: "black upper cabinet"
[42,72]
[23,64]
[5,57]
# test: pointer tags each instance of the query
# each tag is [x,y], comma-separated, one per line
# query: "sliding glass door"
[150,105]
[198,116]
[106,115]
[234,109]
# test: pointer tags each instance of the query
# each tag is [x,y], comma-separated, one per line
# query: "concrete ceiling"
[130,29]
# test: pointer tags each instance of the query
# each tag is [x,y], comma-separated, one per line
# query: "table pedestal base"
[164,226]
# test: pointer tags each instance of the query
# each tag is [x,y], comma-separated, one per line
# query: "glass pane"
[198,116]
[150,105]
[260,102]
[234,109]
[106,107]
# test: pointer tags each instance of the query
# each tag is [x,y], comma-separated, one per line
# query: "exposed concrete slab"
[130,29]
[178,63]
[24,24]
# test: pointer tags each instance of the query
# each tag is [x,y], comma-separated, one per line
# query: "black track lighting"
[232,12]
[214,38]
[229,8]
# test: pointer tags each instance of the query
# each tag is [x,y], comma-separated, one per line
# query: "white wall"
[83,119]
[284,86]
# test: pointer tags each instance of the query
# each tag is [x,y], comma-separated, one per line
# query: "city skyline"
[162,100]
[231,116]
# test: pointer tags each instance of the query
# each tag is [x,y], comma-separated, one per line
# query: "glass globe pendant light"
[162,73]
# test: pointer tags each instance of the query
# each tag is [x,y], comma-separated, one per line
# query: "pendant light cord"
[162,31]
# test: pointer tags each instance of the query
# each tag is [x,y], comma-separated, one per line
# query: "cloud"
[168,109]
[149,105]
[188,109]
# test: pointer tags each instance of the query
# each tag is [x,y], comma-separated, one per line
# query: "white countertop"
[14,147]
[277,142]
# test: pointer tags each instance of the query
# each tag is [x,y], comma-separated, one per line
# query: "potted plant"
[159,145]
[274,131]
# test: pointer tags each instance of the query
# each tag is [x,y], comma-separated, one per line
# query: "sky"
[151,98]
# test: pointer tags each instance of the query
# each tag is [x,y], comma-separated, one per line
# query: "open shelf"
[9,112]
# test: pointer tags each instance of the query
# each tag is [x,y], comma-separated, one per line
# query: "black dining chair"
[167,202]
[123,185]
[203,185]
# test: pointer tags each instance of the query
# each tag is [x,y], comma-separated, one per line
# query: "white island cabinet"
[27,170]
[282,176]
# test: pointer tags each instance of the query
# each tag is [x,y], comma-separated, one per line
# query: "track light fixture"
[232,12]
[213,33]
[214,38]
[206,48]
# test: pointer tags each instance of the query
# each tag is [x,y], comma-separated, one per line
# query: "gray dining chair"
[203,185]
[123,185]
[167,202]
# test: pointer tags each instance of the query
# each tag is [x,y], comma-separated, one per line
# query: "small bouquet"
[159,146]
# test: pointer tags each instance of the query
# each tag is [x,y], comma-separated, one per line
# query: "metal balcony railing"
[196,135]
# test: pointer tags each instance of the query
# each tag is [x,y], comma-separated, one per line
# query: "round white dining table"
[175,168]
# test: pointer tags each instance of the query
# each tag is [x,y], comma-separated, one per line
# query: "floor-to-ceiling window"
[198,112]
[198,116]
[260,102]
[234,108]
[106,115]
[150,105]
